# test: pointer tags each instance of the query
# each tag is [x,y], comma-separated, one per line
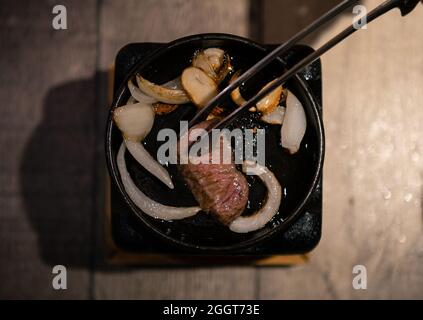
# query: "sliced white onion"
[147,205]
[162,93]
[274,117]
[273,200]
[135,122]
[144,158]
[199,86]
[138,95]
[294,124]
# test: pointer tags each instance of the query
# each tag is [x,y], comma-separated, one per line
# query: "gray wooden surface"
[54,84]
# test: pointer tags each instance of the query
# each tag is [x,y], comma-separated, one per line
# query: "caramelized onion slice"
[271,206]
[199,86]
[271,101]
[163,108]
[147,205]
[215,57]
[201,61]
[159,108]
[162,93]
[138,95]
[173,84]
[236,94]
[266,105]
[294,124]
[214,62]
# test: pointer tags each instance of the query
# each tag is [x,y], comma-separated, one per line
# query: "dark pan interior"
[297,173]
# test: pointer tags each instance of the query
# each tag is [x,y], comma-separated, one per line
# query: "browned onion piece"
[134,120]
[274,117]
[138,95]
[266,105]
[163,108]
[214,62]
[202,62]
[162,93]
[271,101]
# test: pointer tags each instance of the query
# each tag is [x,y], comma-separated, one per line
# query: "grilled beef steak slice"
[220,189]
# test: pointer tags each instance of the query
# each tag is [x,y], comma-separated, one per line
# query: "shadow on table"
[60,172]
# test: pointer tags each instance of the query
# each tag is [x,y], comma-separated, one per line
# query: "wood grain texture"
[163,21]
[46,144]
[373,169]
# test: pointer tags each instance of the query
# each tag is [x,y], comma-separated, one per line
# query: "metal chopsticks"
[405,6]
[202,114]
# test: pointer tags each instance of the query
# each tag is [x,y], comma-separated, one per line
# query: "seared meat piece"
[220,189]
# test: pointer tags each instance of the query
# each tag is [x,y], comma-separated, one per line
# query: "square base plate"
[129,242]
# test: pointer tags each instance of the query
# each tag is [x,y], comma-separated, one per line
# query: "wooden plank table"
[52,172]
